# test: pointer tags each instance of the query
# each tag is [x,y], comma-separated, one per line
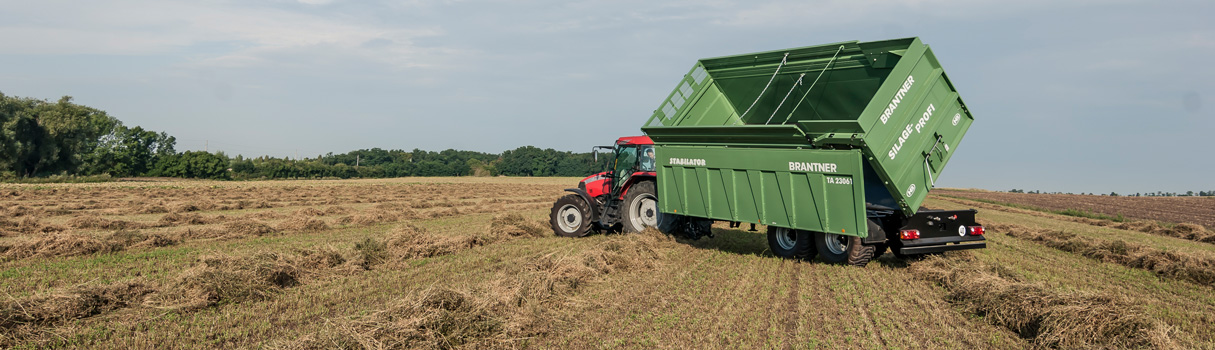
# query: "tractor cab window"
[647,161]
[626,161]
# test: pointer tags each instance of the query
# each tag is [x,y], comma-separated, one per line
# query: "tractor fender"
[590,202]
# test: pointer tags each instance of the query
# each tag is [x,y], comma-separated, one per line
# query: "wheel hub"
[837,244]
[644,211]
[786,238]
[573,218]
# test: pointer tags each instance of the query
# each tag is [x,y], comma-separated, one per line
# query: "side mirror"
[595,151]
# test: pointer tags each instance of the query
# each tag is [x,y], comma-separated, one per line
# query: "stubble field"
[471,263]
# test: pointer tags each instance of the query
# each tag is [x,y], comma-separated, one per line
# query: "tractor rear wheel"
[836,249]
[571,216]
[641,207]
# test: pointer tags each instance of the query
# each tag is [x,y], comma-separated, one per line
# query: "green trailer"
[833,147]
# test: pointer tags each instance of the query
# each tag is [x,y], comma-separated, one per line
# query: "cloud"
[254,31]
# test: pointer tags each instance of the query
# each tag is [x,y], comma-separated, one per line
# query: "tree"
[193,164]
[75,129]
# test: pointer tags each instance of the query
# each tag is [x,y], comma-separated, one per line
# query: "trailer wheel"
[791,244]
[671,224]
[571,216]
[836,249]
[641,207]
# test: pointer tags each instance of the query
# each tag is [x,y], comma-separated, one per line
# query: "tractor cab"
[632,159]
[622,197]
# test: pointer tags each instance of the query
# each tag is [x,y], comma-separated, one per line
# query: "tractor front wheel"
[571,216]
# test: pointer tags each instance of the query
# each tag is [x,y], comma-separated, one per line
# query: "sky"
[1070,96]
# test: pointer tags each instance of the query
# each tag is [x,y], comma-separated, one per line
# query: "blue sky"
[1077,96]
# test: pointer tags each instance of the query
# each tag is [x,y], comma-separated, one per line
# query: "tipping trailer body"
[812,138]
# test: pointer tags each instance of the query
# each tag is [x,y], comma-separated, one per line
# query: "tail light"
[909,234]
[977,231]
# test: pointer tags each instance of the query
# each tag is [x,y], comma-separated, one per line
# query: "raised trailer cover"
[889,99]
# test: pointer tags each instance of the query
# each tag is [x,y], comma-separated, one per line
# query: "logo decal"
[815,167]
[898,97]
[687,161]
[919,126]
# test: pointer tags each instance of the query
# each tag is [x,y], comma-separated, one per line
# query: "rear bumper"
[940,231]
[941,248]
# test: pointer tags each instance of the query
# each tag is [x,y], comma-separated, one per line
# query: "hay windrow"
[308,212]
[442,213]
[301,223]
[376,216]
[324,258]
[410,242]
[76,303]
[500,313]
[175,219]
[336,210]
[1046,317]
[96,222]
[138,239]
[222,278]
[1177,265]
[28,225]
[193,206]
[247,228]
[515,225]
[58,244]
[151,209]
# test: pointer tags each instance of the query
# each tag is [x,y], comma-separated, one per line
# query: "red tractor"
[624,197]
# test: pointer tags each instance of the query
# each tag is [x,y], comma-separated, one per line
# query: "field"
[1194,210]
[471,263]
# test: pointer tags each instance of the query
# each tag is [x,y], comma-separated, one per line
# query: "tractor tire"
[571,216]
[641,207]
[876,229]
[835,249]
[791,244]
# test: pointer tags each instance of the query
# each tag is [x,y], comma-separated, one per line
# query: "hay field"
[470,263]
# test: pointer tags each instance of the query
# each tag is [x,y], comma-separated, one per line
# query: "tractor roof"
[634,140]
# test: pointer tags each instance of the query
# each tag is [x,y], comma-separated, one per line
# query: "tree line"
[40,138]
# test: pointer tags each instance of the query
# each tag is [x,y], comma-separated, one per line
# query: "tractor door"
[622,170]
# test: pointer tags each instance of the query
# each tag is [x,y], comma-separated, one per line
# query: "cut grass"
[538,291]
[1046,317]
[1182,266]
[1183,306]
